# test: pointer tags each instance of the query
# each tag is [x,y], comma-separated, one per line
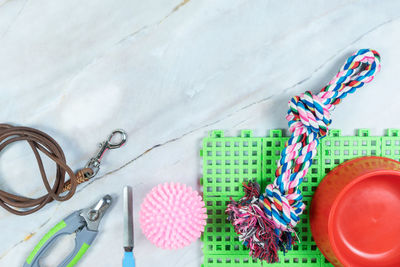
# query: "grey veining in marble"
[167,72]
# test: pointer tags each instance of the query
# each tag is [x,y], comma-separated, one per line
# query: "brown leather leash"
[62,189]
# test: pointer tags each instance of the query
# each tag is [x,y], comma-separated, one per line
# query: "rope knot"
[309,111]
[283,204]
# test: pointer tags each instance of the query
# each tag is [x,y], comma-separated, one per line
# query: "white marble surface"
[167,72]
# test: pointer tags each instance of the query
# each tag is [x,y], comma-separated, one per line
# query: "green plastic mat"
[228,161]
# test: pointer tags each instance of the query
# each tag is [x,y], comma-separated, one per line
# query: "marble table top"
[168,71]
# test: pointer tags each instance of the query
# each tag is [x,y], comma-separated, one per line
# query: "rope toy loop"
[265,222]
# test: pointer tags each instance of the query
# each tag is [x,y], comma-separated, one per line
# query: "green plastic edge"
[79,255]
[46,237]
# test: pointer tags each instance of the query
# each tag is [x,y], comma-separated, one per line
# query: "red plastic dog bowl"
[355,213]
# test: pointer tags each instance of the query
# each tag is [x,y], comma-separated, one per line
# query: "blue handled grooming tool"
[129,260]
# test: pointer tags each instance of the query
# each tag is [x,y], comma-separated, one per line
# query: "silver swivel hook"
[94,163]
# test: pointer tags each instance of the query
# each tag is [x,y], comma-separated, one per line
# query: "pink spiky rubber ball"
[172,215]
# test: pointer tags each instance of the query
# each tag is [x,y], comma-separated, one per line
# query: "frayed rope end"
[257,232]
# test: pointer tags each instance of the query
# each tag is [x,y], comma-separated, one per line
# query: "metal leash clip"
[94,163]
[84,223]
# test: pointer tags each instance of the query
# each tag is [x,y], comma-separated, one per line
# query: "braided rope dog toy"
[265,222]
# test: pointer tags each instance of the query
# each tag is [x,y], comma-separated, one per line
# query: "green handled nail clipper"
[84,223]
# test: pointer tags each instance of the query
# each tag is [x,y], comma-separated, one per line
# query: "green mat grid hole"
[229,162]
[304,260]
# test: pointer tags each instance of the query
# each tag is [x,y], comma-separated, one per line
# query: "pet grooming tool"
[129,260]
[84,223]
[172,215]
[61,190]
